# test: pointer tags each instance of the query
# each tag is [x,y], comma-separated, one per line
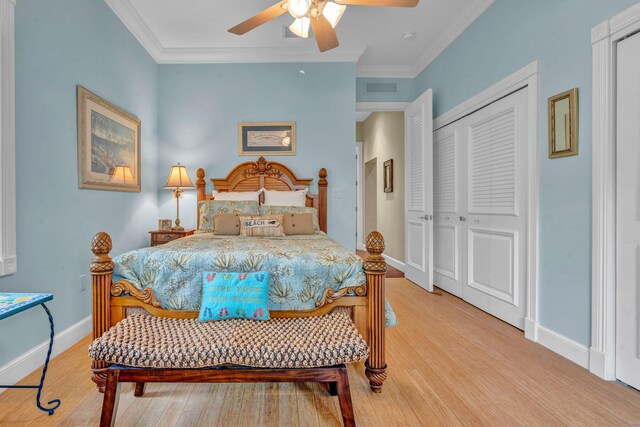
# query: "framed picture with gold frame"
[108,145]
[388,176]
[267,139]
[563,124]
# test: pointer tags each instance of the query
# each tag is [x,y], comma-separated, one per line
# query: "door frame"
[370,107]
[525,77]
[604,40]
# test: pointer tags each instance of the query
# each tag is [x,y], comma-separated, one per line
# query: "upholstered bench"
[144,348]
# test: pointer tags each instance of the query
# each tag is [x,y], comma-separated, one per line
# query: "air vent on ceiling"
[381,88]
[288,34]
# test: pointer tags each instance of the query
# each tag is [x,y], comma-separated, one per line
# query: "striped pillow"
[261,226]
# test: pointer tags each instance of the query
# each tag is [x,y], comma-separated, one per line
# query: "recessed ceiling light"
[409,36]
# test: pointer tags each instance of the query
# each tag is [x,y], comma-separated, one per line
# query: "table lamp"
[177,181]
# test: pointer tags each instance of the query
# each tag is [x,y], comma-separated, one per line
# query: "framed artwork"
[563,124]
[108,145]
[388,176]
[267,139]
[164,224]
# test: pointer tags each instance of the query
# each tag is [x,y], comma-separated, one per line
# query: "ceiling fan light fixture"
[300,27]
[299,8]
[333,12]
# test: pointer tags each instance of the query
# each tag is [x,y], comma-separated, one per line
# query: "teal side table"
[14,303]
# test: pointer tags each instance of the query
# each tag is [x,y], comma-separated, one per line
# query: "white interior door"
[628,213]
[497,208]
[448,238]
[480,203]
[419,191]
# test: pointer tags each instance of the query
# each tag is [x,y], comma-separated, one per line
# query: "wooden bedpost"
[201,185]
[375,268]
[322,199]
[101,274]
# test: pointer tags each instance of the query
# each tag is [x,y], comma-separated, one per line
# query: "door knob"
[427,217]
[463,219]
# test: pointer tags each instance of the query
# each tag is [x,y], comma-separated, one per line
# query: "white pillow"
[285,198]
[238,196]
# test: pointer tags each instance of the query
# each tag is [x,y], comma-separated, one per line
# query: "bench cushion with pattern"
[154,342]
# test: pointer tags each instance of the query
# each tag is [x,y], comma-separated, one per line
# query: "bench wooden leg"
[344,397]
[139,392]
[110,400]
[332,388]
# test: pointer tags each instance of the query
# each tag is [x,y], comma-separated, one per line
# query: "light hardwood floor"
[449,364]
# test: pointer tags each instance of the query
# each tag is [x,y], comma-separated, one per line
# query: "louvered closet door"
[448,237]
[496,217]
[419,191]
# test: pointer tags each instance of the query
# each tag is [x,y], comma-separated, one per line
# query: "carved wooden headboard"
[252,176]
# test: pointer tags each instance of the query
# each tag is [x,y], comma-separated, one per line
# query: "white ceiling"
[195,31]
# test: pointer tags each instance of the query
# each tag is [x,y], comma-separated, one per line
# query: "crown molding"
[218,55]
[233,55]
[137,26]
[134,22]
[451,33]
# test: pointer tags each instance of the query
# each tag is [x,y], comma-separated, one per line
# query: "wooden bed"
[113,300]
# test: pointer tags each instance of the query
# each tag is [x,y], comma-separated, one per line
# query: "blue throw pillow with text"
[234,295]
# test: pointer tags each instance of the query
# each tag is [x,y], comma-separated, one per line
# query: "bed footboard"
[107,311]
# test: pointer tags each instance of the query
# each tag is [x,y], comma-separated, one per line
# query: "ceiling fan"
[321,15]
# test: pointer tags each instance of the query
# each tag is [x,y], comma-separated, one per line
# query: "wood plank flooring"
[449,364]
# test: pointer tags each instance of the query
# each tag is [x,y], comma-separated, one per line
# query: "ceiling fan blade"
[261,18]
[390,3]
[324,33]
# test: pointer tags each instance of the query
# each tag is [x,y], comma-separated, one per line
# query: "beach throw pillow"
[234,296]
[262,226]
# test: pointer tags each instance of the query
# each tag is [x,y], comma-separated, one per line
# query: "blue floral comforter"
[301,268]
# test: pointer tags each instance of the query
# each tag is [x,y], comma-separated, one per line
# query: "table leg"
[55,402]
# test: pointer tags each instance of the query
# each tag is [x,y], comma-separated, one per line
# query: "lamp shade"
[122,175]
[178,178]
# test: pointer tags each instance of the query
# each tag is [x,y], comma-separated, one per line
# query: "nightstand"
[160,237]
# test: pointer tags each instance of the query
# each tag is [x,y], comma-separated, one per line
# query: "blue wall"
[201,105]
[58,45]
[508,36]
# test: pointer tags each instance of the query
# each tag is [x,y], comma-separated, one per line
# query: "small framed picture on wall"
[388,176]
[267,139]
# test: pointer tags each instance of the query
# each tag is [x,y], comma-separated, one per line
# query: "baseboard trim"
[361,247]
[23,365]
[394,262]
[530,329]
[564,346]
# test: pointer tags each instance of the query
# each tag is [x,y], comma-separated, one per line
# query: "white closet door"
[448,238]
[628,213]
[419,191]
[497,208]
